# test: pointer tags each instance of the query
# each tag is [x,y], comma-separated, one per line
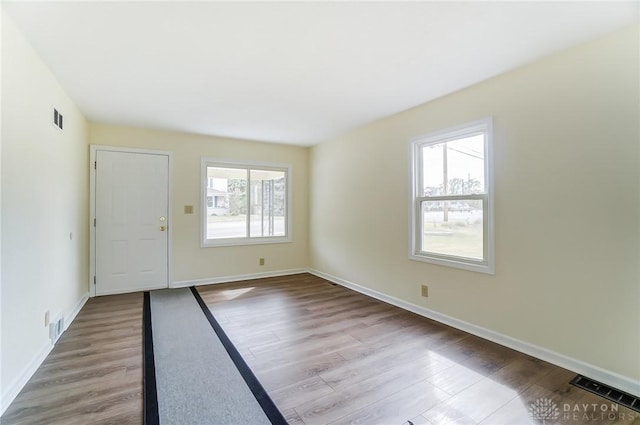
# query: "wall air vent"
[624,399]
[57,119]
[56,328]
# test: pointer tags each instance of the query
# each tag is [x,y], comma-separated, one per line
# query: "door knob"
[162,228]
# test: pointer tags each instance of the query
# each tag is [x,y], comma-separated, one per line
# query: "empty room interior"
[395,213]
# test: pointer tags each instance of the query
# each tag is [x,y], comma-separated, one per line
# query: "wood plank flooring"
[325,354]
[94,373]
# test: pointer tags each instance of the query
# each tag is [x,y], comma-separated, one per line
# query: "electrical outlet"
[262,261]
[425,291]
[46,318]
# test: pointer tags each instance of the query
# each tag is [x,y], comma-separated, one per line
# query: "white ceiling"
[290,72]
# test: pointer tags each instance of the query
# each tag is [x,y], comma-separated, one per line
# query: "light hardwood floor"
[325,354]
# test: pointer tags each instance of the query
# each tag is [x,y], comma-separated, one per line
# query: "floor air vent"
[617,396]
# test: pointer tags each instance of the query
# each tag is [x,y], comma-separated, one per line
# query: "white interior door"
[131,212]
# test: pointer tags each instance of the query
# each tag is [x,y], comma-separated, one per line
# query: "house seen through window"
[245,203]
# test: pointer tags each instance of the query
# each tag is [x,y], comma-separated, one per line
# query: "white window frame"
[243,165]
[487,264]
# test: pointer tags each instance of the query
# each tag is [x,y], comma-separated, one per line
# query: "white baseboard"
[71,315]
[21,380]
[236,278]
[613,379]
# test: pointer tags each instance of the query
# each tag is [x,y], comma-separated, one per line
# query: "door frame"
[93,151]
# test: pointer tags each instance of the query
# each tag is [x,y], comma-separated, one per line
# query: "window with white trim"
[245,203]
[452,197]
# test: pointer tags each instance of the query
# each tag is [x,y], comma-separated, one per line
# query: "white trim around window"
[451,203]
[248,214]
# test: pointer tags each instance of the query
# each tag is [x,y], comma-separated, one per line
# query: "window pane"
[453,228]
[454,168]
[227,211]
[268,203]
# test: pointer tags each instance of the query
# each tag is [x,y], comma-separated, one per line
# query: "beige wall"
[566,206]
[190,262]
[44,200]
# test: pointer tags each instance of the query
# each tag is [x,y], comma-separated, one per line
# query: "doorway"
[130,220]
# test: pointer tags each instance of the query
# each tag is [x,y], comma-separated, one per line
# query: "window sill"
[214,243]
[455,263]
